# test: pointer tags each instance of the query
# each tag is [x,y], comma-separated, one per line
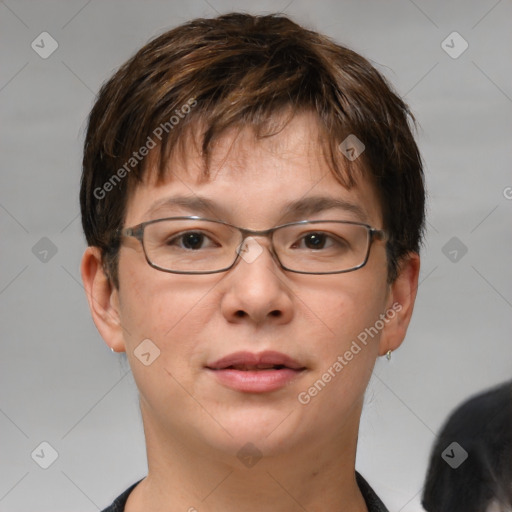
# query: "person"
[470,468]
[253,201]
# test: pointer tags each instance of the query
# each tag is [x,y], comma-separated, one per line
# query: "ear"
[103,299]
[400,303]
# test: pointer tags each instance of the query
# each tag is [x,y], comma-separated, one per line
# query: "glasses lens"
[323,247]
[190,245]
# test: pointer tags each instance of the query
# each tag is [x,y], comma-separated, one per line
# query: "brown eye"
[315,240]
[192,240]
[318,240]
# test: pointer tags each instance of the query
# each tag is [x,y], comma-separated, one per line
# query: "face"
[308,322]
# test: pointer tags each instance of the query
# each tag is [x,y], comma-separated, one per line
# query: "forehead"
[253,181]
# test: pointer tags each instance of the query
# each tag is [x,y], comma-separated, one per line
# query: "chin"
[272,431]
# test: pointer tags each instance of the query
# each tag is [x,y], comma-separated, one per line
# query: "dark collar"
[373,502]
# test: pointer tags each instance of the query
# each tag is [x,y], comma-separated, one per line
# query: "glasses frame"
[138,233]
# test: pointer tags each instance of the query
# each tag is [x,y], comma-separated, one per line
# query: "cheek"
[169,309]
[344,307]
[345,357]
[352,347]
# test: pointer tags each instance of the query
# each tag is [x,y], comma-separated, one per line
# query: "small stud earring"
[388,355]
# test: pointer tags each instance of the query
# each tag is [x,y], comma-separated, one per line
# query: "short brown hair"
[240,70]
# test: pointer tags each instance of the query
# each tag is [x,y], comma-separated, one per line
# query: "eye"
[191,240]
[317,240]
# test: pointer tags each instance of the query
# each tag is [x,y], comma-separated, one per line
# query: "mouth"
[253,367]
[256,373]
[248,361]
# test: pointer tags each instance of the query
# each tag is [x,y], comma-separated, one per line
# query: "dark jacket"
[373,502]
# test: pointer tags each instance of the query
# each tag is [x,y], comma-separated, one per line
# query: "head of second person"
[252,122]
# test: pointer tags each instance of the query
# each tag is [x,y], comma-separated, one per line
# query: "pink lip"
[255,380]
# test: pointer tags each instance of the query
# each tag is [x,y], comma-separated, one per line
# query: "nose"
[255,288]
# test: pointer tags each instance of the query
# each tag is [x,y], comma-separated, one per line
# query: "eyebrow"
[317,204]
[303,207]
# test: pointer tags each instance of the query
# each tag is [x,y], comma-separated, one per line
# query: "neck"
[185,476]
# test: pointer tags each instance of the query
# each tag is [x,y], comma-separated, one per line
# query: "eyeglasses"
[195,245]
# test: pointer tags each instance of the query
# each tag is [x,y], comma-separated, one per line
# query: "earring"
[112,349]
[388,355]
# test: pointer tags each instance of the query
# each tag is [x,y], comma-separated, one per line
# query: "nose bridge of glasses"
[266,233]
[250,248]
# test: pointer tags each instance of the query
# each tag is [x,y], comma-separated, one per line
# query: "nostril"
[276,312]
[240,313]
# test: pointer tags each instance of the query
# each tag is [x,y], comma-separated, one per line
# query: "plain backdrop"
[61,385]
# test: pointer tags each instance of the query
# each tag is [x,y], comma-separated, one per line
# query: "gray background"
[59,383]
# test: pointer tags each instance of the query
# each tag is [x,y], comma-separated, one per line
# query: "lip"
[254,380]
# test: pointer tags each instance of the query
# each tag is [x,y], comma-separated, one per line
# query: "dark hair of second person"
[482,427]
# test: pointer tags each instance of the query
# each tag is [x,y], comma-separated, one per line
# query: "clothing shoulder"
[120,501]
[373,502]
